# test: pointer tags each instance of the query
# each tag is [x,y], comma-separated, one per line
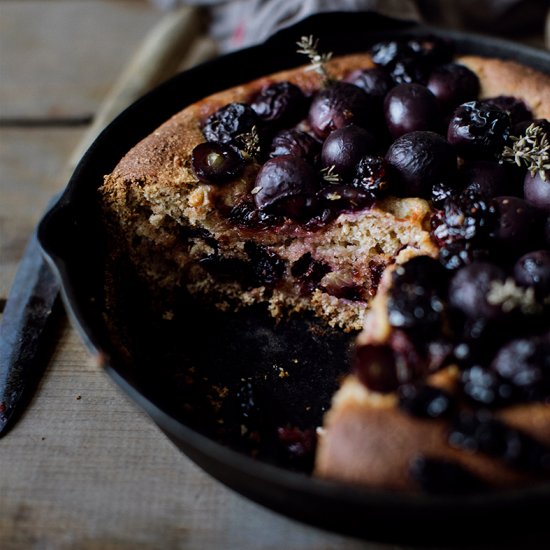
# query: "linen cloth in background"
[240,23]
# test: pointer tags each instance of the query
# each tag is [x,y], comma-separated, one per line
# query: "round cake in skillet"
[401,193]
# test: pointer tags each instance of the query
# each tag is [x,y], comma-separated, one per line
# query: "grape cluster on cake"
[403,193]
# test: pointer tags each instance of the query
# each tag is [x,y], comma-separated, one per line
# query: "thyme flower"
[532,149]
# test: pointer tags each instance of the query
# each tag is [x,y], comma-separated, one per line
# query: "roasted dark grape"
[525,365]
[469,289]
[536,189]
[420,160]
[515,107]
[386,54]
[345,147]
[478,130]
[267,267]
[338,105]
[416,297]
[517,227]
[436,476]
[214,162]
[441,192]
[491,178]
[286,186]
[486,387]
[373,175]
[533,270]
[296,143]
[344,197]
[483,433]
[375,366]
[230,122]
[465,219]
[376,82]
[282,103]
[425,401]
[410,107]
[453,84]
[411,61]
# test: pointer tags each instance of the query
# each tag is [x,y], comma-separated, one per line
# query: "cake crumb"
[168,315]
[283,373]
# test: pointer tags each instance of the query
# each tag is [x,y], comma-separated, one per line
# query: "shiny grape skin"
[410,107]
[536,189]
[338,105]
[297,143]
[345,147]
[518,226]
[453,84]
[282,103]
[420,160]
[492,178]
[286,186]
[478,130]
[214,162]
[376,82]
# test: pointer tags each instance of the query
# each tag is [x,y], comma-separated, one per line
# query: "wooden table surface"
[84,468]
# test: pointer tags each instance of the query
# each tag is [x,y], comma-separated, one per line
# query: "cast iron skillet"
[74,243]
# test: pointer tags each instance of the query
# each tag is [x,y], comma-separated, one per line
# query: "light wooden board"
[59,58]
[31,161]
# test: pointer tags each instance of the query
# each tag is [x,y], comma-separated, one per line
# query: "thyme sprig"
[307,45]
[249,143]
[532,149]
[329,174]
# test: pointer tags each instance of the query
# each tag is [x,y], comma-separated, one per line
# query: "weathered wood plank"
[60,58]
[32,161]
[84,468]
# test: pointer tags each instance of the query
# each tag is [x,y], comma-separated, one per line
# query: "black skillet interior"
[180,376]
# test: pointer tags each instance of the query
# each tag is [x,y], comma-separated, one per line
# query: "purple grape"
[517,225]
[410,107]
[533,269]
[214,162]
[453,84]
[425,401]
[515,107]
[296,143]
[338,105]
[376,82]
[343,197]
[286,186]
[345,147]
[478,130]
[375,366]
[282,102]
[491,178]
[469,287]
[421,159]
[536,189]
[229,122]
[372,175]
[525,364]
